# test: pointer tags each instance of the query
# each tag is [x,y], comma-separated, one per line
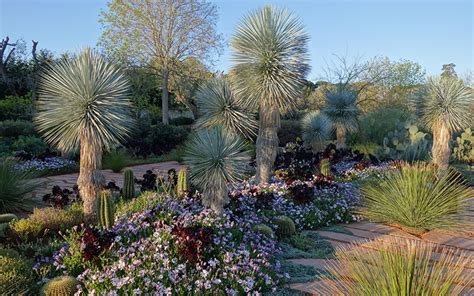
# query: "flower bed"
[49,166]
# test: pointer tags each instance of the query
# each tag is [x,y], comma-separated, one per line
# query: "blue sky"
[430,32]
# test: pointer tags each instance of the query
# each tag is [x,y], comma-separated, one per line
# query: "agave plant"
[83,103]
[398,266]
[341,108]
[15,188]
[316,130]
[445,108]
[416,198]
[219,107]
[270,62]
[215,158]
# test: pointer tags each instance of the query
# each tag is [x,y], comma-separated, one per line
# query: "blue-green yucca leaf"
[215,158]
[316,130]
[269,51]
[341,109]
[219,107]
[85,95]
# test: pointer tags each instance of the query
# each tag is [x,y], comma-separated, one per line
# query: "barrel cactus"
[128,185]
[263,229]
[6,218]
[105,208]
[61,286]
[182,184]
[285,226]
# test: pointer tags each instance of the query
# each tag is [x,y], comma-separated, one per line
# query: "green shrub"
[16,274]
[26,229]
[144,201]
[14,108]
[182,120]
[289,131]
[5,218]
[31,144]
[399,267]
[57,219]
[464,148]
[60,286]
[263,229]
[15,188]
[285,226]
[414,197]
[16,128]
[406,143]
[116,160]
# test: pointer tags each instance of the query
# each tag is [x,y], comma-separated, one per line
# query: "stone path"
[462,240]
[69,180]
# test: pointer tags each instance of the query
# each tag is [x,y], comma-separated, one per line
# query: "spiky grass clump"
[216,158]
[60,286]
[398,267]
[316,130]
[116,160]
[219,107]
[415,196]
[15,188]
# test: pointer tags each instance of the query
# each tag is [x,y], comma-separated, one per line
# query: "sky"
[429,32]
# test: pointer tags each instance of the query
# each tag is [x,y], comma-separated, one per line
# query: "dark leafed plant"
[15,188]
[83,103]
[219,107]
[342,110]
[316,130]
[416,198]
[398,267]
[216,158]
[270,62]
[445,108]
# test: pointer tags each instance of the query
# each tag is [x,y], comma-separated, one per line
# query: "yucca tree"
[316,129]
[269,52]
[342,110]
[216,157]
[217,104]
[445,108]
[83,103]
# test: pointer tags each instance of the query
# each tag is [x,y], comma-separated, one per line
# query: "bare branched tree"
[5,56]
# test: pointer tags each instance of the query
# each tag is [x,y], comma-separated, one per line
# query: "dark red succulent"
[94,242]
[192,241]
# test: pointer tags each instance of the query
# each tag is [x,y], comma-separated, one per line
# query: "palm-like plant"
[341,108]
[445,109]
[416,198]
[83,103]
[316,130]
[217,103]
[398,267]
[270,61]
[216,158]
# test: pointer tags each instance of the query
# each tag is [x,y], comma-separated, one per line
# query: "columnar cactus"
[60,286]
[285,226]
[128,185]
[324,167]
[182,185]
[105,208]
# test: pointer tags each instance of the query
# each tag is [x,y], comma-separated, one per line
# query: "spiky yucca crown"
[60,286]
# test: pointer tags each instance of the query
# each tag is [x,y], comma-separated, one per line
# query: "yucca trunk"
[216,197]
[267,143]
[340,138]
[90,177]
[441,150]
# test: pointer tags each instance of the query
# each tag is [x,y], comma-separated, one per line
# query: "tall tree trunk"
[340,138]
[165,98]
[90,177]
[267,142]
[441,150]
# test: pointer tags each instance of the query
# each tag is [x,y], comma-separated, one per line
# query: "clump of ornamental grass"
[416,198]
[398,267]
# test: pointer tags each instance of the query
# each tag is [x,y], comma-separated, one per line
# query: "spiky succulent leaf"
[219,107]
[316,129]
[269,52]
[215,157]
[341,108]
[83,95]
[447,102]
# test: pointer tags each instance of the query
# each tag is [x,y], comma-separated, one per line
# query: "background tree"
[445,109]
[448,71]
[159,34]
[83,103]
[270,63]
